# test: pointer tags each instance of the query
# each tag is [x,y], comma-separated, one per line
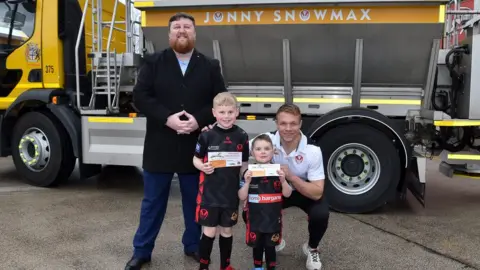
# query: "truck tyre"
[41,149]
[362,167]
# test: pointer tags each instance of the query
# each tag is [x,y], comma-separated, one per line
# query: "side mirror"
[19,20]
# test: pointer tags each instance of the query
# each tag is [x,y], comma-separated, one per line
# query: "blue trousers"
[154,206]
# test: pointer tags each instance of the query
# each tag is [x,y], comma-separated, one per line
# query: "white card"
[259,170]
[225,159]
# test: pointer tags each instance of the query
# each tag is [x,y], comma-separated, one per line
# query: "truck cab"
[45,55]
[17,25]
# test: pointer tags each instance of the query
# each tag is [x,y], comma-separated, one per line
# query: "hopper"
[318,54]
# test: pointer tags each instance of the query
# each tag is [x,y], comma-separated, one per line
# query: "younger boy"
[221,155]
[263,206]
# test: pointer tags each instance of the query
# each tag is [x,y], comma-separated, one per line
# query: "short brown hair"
[262,137]
[180,15]
[289,108]
[225,99]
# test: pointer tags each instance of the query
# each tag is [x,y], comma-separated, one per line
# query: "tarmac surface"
[90,225]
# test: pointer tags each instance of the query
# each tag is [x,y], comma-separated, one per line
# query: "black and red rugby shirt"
[220,188]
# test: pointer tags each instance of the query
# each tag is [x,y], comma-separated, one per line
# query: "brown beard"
[182,48]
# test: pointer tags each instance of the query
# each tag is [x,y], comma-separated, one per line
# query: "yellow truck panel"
[42,50]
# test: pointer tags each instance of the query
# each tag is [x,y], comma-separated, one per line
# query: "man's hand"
[190,125]
[207,128]
[174,122]
[181,126]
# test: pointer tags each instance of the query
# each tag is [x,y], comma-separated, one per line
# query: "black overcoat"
[162,90]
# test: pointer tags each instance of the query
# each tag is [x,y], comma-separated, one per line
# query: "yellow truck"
[379,93]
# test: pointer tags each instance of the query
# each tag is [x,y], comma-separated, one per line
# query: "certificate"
[225,159]
[259,170]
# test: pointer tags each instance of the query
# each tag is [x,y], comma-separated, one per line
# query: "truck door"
[20,57]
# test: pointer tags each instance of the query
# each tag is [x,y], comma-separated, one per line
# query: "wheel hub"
[352,165]
[34,149]
[353,168]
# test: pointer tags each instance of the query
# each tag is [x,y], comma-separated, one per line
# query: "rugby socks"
[206,245]
[270,257]
[258,256]
[225,244]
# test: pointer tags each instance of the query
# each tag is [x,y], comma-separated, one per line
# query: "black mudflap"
[414,182]
[88,170]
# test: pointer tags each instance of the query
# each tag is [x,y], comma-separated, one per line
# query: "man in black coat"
[175,91]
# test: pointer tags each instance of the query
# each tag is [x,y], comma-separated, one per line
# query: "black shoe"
[136,263]
[195,255]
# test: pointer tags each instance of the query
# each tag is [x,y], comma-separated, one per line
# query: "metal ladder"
[106,65]
[108,70]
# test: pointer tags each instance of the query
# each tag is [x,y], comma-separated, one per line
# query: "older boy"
[221,155]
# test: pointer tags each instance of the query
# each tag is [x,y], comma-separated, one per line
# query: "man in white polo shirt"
[303,166]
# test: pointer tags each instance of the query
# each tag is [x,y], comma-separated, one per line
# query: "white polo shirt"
[305,162]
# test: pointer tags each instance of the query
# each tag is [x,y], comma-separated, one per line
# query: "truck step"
[457,123]
[460,158]
[104,93]
[105,84]
[89,111]
[465,170]
[103,88]
[106,76]
[103,68]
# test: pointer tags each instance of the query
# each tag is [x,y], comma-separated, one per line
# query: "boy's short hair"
[262,137]
[225,99]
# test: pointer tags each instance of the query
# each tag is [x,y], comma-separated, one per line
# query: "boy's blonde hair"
[225,99]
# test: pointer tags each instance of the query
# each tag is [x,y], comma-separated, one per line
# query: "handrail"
[77,45]
[133,47]
[93,67]
[115,76]
[117,86]
[109,98]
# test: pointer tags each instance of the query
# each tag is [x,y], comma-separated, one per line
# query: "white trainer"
[313,258]
[280,246]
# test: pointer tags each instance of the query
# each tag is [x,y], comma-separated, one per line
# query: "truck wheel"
[362,166]
[41,149]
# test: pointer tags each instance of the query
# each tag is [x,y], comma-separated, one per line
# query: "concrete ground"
[90,225]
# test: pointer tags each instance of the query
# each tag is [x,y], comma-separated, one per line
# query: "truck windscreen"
[17,20]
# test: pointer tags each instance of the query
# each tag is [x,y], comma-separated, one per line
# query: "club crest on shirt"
[299,159]
[203,213]
[197,148]
[234,216]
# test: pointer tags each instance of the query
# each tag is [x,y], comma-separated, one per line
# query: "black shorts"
[253,239]
[256,239]
[209,216]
